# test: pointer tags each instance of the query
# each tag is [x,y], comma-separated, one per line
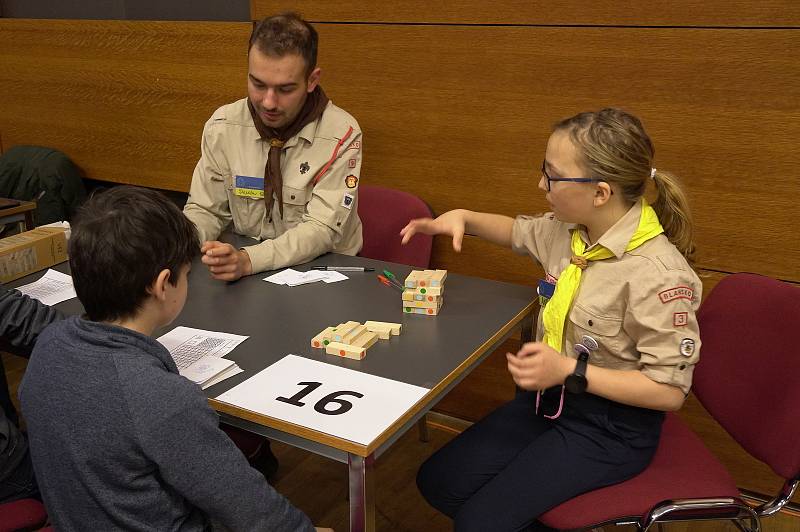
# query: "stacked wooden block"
[351,339]
[424,292]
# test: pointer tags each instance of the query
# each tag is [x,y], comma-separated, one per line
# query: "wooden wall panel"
[464,123]
[125,100]
[733,13]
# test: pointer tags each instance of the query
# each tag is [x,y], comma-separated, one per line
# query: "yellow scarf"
[555,312]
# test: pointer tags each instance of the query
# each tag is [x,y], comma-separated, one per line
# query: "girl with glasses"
[617,338]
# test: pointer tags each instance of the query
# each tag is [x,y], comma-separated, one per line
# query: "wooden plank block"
[415,278]
[426,311]
[395,328]
[342,329]
[322,339]
[346,351]
[435,303]
[422,294]
[437,278]
[353,333]
[364,339]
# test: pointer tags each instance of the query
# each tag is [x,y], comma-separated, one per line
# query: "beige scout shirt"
[317,218]
[638,305]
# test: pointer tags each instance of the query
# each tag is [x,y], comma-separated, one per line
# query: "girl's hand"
[537,366]
[451,223]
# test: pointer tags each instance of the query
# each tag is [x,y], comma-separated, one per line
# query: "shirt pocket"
[605,330]
[294,204]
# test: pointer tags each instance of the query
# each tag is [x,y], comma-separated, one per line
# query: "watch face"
[575,383]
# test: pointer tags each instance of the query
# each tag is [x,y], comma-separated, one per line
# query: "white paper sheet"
[188,345]
[316,395]
[54,287]
[292,277]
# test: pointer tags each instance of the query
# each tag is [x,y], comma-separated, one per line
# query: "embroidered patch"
[355,145]
[304,167]
[679,319]
[248,187]
[687,347]
[351,181]
[351,163]
[678,292]
[347,201]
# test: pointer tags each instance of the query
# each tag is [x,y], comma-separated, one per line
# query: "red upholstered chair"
[383,212]
[24,514]
[748,379]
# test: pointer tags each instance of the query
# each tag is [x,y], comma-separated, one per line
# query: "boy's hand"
[450,223]
[225,262]
[537,366]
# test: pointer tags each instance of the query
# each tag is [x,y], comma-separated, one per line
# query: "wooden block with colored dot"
[346,351]
[376,326]
[353,333]
[342,329]
[430,302]
[426,311]
[436,279]
[416,278]
[430,290]
[323,338]
[412,295]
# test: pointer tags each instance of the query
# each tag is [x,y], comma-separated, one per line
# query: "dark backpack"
[44,175]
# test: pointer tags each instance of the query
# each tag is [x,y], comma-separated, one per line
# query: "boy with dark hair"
[119,439]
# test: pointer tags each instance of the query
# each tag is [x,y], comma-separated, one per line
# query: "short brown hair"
[284,34]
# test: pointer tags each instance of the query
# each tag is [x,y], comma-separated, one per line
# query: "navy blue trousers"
[514,465]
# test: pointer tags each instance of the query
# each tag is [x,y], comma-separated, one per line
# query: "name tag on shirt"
[248,187]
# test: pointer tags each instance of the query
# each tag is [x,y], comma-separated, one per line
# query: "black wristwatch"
[576,382]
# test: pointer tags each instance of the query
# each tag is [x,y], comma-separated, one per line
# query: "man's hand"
[225,262]
[538,366]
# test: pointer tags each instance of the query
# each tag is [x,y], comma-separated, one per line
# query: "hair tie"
[652,173]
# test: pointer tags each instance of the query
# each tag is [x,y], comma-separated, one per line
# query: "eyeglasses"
[587,345]
[548,179]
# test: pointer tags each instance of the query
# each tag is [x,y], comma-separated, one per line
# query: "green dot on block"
[422,290]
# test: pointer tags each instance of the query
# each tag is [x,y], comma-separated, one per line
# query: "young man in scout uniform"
[282,164]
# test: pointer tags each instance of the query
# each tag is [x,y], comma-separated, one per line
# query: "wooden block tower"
[424,292]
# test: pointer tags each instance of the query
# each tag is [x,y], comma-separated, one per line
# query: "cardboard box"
[31,251]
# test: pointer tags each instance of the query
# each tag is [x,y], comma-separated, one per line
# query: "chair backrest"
[384,212]
[748,377]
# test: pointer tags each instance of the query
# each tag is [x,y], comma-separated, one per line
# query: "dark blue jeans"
[514,465]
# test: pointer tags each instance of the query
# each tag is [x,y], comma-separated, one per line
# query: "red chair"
[384,212]
[21,515]
[748,379]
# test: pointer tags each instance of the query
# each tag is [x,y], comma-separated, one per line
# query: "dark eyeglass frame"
[548,179]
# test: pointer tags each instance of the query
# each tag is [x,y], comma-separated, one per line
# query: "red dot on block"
[341,353]
[430,298]
[422,283]
[316,344]
[430,311]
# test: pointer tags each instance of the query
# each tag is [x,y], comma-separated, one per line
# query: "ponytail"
[672,208]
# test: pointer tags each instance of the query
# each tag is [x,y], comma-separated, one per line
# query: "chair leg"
[423,430]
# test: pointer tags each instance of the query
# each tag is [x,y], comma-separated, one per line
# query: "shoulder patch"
[687,347]
[351,181]
[677,292]
[680,319]
[355,145]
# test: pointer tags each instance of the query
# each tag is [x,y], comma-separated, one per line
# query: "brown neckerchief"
[312,109]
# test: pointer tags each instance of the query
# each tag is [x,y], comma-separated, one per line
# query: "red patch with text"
[680,319]
[679,292]
[355,145]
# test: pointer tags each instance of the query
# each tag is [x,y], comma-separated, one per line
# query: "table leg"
[527,329]
[362,493]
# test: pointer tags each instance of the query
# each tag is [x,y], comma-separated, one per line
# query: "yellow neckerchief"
[555,312]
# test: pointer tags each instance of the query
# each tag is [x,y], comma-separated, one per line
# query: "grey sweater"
[120,441]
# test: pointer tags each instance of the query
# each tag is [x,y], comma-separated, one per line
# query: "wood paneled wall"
[456,101]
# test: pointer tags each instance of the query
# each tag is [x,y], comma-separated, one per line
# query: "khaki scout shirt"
[317,218]
[638,305]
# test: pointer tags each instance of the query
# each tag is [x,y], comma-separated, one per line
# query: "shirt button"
[590,323]
[292,196]
[338,224]
[682,366]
